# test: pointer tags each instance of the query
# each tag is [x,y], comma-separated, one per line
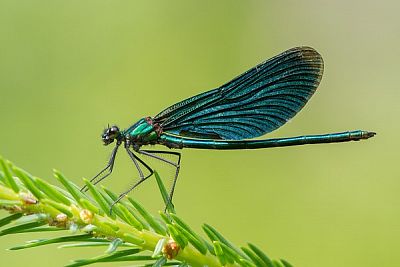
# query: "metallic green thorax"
[142,133]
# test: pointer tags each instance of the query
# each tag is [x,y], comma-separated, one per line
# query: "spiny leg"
[110,165]
[135,160]
[177,165]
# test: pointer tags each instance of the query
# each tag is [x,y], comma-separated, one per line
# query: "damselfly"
[255,103]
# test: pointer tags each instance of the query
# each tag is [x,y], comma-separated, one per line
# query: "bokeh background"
[67,68]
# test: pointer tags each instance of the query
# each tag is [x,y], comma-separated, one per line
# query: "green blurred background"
[67,68]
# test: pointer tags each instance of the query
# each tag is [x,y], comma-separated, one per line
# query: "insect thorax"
[143,132]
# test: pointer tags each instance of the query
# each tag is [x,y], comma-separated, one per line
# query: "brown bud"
[61,217]
[28,199]
[170,249]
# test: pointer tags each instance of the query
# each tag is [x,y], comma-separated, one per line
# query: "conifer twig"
[129,233]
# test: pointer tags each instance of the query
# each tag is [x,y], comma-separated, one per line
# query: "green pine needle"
[128,233]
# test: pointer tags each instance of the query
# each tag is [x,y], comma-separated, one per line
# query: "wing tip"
[312,56]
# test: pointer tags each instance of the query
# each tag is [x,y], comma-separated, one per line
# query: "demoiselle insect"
[254,103]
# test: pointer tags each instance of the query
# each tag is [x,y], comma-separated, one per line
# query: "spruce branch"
[129,232]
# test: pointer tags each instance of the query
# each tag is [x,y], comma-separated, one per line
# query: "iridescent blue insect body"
[255,103]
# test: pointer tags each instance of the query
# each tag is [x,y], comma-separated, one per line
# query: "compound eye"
[114,129]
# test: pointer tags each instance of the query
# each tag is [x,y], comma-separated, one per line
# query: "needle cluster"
[129,233]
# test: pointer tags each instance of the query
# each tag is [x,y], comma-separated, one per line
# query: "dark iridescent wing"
[257,102]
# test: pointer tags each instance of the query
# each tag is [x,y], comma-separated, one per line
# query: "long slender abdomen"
[174,141]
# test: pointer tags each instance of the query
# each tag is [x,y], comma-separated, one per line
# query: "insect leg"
[151,153]
[110,165]
[135,160]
